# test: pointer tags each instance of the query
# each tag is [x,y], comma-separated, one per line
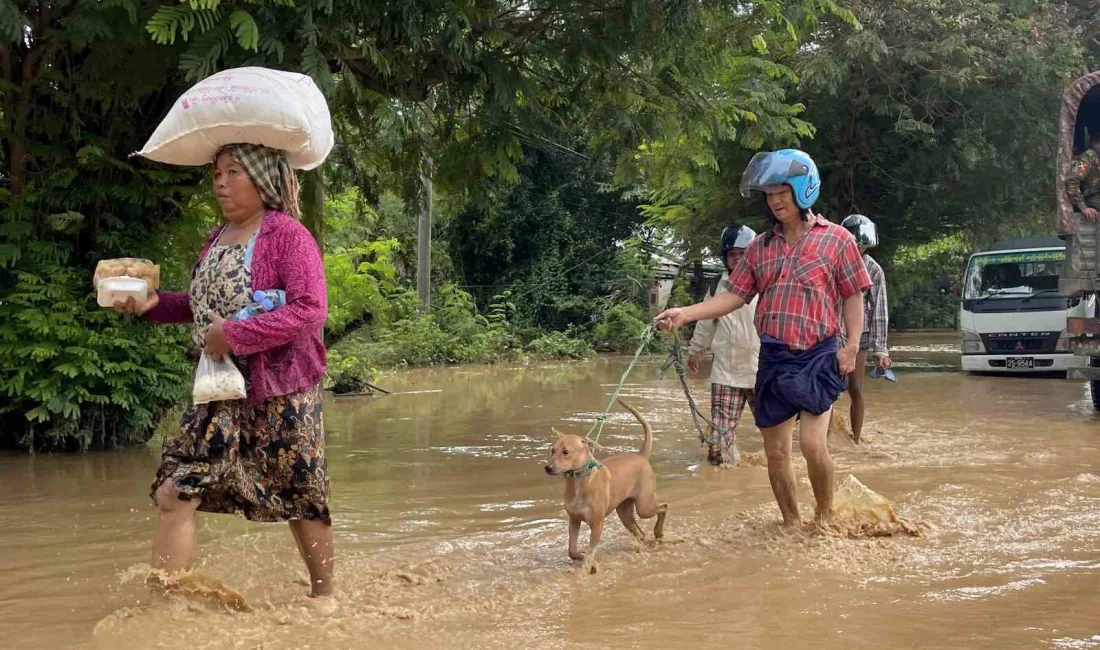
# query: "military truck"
[1080,277]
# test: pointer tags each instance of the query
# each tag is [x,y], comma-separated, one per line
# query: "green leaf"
[12,22]
[202,57]
[38,414]
[759,44]
[316,65]
[130,6]
[248,34]
[66,222]
[168,21]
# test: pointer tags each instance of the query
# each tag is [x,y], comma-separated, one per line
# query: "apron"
[221,283]
[262,462]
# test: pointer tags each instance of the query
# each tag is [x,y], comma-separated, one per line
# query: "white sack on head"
[277,109]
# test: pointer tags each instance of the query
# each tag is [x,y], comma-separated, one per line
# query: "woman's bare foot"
[197,587]
[321,605]
[791,525]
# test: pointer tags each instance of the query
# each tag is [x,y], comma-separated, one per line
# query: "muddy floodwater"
[450,534]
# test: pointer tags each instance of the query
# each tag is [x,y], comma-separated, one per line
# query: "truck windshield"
[1013,275]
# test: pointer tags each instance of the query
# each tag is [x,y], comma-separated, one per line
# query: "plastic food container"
[112,290]
[128,267]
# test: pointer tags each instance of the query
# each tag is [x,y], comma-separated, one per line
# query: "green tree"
[941,117]
[552,238]
[455,89]
[72,374]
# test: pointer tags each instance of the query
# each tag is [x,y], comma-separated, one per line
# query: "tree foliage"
[73,375]
[544,125]
[933,118]
[941,117]
[456,90]
[552,238]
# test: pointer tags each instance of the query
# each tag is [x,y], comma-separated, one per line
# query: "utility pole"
[424,238]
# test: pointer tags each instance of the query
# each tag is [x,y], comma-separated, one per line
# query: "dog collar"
[584,471]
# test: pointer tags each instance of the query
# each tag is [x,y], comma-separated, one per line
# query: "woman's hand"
[693,363]
[883,361]
[131,306]
[216,345]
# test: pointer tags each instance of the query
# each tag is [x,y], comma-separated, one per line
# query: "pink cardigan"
[284,346]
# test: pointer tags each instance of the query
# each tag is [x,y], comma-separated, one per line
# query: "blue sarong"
[791,381]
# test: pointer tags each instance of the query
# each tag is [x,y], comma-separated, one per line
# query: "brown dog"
[623,483]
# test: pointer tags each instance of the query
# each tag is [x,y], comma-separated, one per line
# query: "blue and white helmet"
[735,236]
[789,167]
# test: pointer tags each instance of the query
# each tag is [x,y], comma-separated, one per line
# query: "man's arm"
[703,336]
[740,287]
[852,280]
[1077,171]
[715,307]
[853,320]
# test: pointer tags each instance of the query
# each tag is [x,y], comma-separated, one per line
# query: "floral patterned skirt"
[262,462]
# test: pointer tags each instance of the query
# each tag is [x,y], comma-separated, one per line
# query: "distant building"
[668,268]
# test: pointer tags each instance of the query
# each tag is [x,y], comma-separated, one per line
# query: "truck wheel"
[1094,386]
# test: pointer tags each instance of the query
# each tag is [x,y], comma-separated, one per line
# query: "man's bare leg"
[314,538]
[174,543]
[855,391]
[815,448]
[777,447]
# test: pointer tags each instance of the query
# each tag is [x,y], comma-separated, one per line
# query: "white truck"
[1012,317]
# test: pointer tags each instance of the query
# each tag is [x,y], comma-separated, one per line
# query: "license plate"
[1019,362]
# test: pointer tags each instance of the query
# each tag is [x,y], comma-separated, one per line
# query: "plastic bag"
[217,380]
[859,511]
[273,108]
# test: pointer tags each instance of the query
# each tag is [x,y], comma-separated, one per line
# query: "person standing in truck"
[876,320]
[736,347]
[1083,180]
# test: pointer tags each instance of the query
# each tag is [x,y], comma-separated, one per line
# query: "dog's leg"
[574,535]
[647,507]
[596,530]
[659,529]
[626,515]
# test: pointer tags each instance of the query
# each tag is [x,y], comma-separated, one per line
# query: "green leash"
[646,337]
[675,360]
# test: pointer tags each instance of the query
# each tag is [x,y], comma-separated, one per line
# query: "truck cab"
[1012,316]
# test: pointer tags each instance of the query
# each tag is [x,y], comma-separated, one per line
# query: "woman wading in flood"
[263,457]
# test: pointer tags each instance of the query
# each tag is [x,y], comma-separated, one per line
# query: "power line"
[520,132]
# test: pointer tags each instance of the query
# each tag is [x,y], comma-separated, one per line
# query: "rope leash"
[597,426]
[676,360]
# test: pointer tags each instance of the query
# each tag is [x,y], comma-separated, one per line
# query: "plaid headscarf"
[270,173]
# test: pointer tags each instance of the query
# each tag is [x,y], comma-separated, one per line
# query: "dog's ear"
[592,444]
[559,434]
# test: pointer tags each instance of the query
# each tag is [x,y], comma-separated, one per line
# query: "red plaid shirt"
[801,287]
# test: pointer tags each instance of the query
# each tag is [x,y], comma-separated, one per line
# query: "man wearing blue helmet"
[810,278]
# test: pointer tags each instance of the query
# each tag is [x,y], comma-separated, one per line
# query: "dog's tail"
[647,444]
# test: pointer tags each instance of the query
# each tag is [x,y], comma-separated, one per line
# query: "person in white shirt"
[736,347]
